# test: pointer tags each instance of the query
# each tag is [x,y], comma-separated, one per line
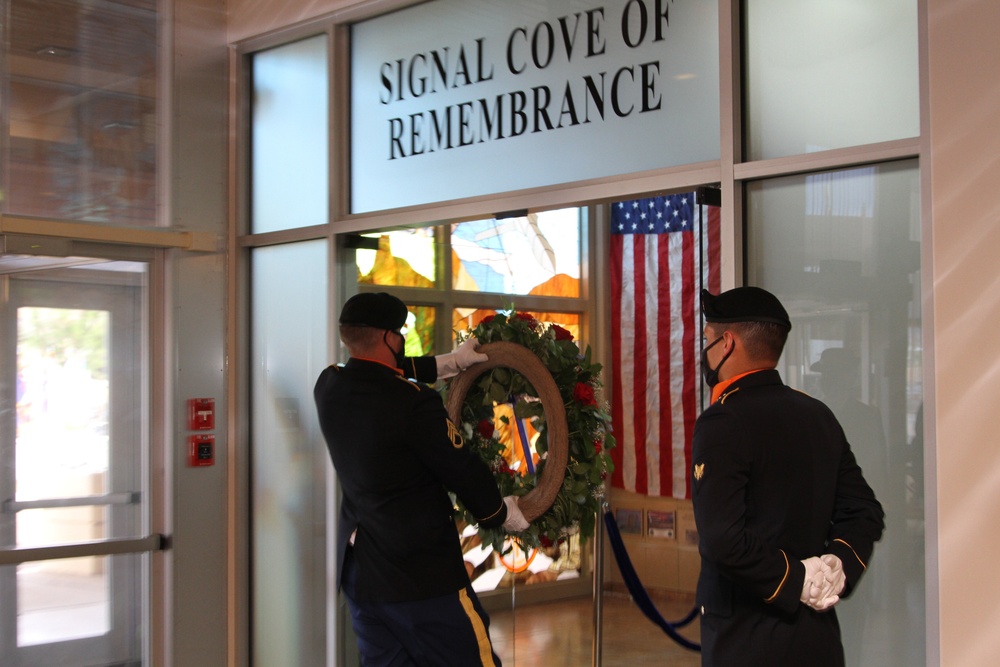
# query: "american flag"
[662,255]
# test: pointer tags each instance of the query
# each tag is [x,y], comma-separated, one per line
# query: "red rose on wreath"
[487,319]
[485,429]
[561,334]
[527,317]
[583,394]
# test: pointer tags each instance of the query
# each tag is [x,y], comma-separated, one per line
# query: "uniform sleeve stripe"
[853,552]
[487,518]
[783,579]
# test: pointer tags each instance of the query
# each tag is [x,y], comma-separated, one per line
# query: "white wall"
[198,613]
[964,184]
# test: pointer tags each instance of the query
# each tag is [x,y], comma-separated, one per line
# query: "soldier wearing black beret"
[397,455]
[786,521]
[380,308]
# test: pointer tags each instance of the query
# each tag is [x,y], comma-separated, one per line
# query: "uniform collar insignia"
[722,399]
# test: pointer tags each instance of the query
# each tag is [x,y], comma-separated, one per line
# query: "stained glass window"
[538,254]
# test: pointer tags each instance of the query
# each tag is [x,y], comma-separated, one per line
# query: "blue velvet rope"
[638,591]
[525,445]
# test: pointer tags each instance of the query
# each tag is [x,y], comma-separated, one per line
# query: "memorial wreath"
[559,473]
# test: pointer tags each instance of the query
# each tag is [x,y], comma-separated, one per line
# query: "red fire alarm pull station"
[201,414]
[201,450]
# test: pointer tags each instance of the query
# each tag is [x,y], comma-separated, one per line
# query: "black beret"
[379,310]
[744,304]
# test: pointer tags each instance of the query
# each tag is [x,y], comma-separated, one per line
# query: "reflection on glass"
[82,110]
[59,600]
[492,571]
[404,258]
[824,75]
[534,254]
[289,349]
[842,252]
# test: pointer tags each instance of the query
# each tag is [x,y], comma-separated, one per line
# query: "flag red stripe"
[640,359]
[690,387]
[617,240]
[663,330]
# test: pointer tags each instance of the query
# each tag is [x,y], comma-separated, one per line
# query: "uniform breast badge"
[457,440]
[699,471]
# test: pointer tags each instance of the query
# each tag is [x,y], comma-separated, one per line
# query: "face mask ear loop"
[385,341]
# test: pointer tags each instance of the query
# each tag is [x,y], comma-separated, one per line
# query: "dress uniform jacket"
[396,455]
[774,482]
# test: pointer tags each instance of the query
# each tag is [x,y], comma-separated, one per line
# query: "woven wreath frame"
[521,359]
[540,373]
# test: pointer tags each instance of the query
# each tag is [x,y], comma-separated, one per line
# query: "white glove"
[465,355]
[821,585]
[515,522]
[836,576]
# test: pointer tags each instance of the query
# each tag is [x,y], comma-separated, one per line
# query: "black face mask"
[711,375]
[400,356]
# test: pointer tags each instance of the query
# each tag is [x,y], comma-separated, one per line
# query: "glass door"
[73,397]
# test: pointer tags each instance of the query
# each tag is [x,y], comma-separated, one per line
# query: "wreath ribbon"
[525,445]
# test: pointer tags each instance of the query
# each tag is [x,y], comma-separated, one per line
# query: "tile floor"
[561,634]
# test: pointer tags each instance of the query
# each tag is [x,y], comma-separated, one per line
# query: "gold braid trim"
[783,579]
[502,505]
[853,552]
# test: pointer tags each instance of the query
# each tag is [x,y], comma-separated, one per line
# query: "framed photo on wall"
[661,524]
[629,521]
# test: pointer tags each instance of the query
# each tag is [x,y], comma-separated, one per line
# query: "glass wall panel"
[80,99]
[842,252]
[290,147]
[290,462]
[823,75]
[538,254]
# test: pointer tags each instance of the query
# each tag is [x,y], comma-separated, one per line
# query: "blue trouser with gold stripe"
[451,630]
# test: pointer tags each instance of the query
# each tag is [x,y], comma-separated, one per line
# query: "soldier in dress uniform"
[396,453]
[786,521]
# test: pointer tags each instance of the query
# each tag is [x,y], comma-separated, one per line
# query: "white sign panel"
[459,98]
